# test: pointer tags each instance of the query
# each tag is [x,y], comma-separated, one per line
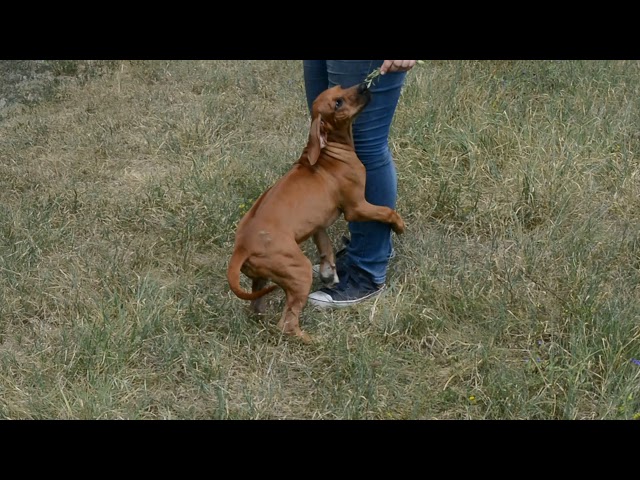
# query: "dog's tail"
[233,277]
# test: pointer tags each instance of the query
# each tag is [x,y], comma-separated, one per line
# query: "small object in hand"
[376,73]
[371,77]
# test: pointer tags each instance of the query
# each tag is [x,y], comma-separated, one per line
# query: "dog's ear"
[317,140]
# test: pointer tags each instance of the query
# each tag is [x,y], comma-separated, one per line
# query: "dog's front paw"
[328,273]
[398,226]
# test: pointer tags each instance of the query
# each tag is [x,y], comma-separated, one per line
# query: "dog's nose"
[362,87]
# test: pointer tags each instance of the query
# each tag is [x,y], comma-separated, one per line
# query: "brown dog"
[327,180]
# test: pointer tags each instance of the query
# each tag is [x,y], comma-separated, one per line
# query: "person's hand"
[396,66]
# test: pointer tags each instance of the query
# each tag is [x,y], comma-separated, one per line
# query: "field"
[514,294]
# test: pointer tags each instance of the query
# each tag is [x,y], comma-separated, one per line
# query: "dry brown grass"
[514,293]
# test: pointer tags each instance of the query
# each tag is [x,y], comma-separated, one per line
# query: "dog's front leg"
[328,273]
[364,211]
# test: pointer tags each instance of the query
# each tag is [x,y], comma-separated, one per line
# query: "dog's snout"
[364,92]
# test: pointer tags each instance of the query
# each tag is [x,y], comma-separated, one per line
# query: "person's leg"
[316,79]
[370,246]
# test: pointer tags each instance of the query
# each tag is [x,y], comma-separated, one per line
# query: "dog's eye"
[339,103]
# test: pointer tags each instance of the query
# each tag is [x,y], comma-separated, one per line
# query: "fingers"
[396,66]
[386,65]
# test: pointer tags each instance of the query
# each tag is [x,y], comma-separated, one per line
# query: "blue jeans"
[370,245]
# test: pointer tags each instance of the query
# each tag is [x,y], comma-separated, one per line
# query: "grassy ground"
[515,293]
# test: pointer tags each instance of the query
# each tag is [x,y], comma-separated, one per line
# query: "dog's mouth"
[363,95]
[363,91]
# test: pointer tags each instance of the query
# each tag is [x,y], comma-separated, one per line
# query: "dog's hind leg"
[296,282]
[290,321]
[328,272]
[258,305]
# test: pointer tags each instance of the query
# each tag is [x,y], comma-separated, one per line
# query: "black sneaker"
[355,286]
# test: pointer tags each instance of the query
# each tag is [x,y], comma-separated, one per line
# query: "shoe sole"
[323,304]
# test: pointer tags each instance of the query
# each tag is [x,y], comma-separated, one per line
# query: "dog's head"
[332,115]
